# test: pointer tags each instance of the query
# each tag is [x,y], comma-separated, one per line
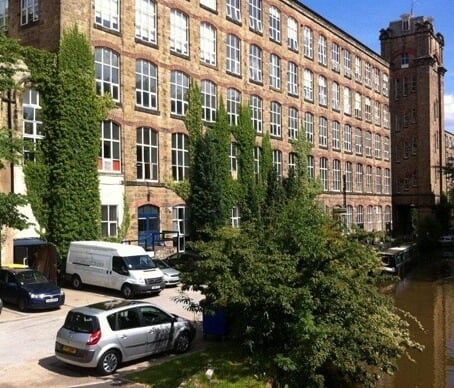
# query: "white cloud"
[449,112]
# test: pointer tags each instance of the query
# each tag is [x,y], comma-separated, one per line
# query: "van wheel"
[127,291]
[76,282]
[108,363]
[182,343]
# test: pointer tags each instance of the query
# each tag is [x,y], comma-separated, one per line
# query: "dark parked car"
[183,261]
[29,289]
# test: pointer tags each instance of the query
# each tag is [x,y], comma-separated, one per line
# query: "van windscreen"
[139,262]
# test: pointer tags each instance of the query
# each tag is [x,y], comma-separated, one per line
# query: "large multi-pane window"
[310,166]
[377,146]
[4,15]
[146,21]
[378,180]
[385,116]
[323,132]
[147,154]
[275,71]
[336,135]
[370,218]
[359,178]
[368,143]
[324,173]
[257,160]
[336,186]
[322,47]
[256,106]
[367,109]
[233,156]
[360,216]
[376,79]
[335,96]
[208,92]
[180,220]
[308,87]
[335,57]
[233,105]
[377,113]
[387,181]
[347,63]
[235,218]
[211,4]
[292,34]
[386,147]
[255,15]
[347,101]
[367,74]
[255,63]
[179,32]
[358,106]
[308,40]
[358,69]
[322,91]
[275,119]
[309,127]
[107,67]
[277,162]
[208,44]
[109,220]
[359,141]
[275,24]
[180,157]
[31,122]
[233,54]
[347,138]
[107,13]
[179,87]
[233,9]
[385,85]
[110,152]
[348,177]
[368,179]
[292,159]
[292,78]
[293,123]
[146,84]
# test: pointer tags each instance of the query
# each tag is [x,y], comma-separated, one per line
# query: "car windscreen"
[139,262]
[81,323]
[31,277]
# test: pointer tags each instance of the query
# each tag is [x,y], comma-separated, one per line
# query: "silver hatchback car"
[102,335]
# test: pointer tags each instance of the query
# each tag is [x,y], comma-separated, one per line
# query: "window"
[277,162]
[211,4]
[308,38]
[335,57]
[255,105]
[180,220]
[255,15]
[208,44]
[386,149]
[255,63]
[322,50]
[233,159]
[293,123]
[29,12]
[404,60]
[348,177]
[324,173]
[347,101]
[179,31]
[233,105]
[367,74]
[109,221]
[233,55]
[146,84]
[257,160]
[386,116]
[377,147]
[368,144]
[335,132]
[308,85]
[347,138]
[367,109]
[322,91]
[378,180]
[387,181]
[347,63]
[180,157]
[370,218]
[233,10]
[292,79]
[292,34]
[377,113]
[385,85]
[359,178]
[376,79]
[360,216]
[107,13]
[107,65]
[275,71]
[309,127]
[109,158]
[368,179]
[179,87]
[292,156]
[275,24]
[359,141]
[349,217]
[31,122]
[208,94]
[310,167]
[275,119]
[4,15]
[358,69]
[146,21]
[235,217]
[323,132]
[147,154]
[336,175]
[358,111]
[335,96]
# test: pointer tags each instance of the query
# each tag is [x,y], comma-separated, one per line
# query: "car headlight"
[35,296]
[62,293]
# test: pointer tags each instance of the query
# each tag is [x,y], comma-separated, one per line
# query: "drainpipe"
[441,72]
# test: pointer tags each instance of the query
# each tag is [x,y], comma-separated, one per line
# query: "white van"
[127,268]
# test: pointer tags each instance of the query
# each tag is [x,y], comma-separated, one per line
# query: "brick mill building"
[300,74]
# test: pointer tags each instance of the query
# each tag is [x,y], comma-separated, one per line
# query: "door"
[148,225]
[131,335]
[159,326]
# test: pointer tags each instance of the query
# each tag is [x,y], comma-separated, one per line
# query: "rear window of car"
[81,323]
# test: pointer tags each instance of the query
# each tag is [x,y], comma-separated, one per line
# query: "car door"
[9,289]
[159,328]
[131,335]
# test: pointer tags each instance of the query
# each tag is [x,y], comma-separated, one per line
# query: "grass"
[231,370]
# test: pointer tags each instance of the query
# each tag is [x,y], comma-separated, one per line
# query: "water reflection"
[427,292]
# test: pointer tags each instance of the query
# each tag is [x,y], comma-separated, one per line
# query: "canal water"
[427,292]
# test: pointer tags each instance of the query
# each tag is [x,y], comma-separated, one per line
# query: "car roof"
[109,305]
[17,270]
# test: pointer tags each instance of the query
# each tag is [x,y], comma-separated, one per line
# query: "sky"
[363,19]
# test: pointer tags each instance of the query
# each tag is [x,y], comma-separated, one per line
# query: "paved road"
[27,343]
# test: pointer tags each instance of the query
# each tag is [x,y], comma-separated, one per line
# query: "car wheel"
[108,363]
[76,282]
[182,343]
[127,291]
[21,305]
